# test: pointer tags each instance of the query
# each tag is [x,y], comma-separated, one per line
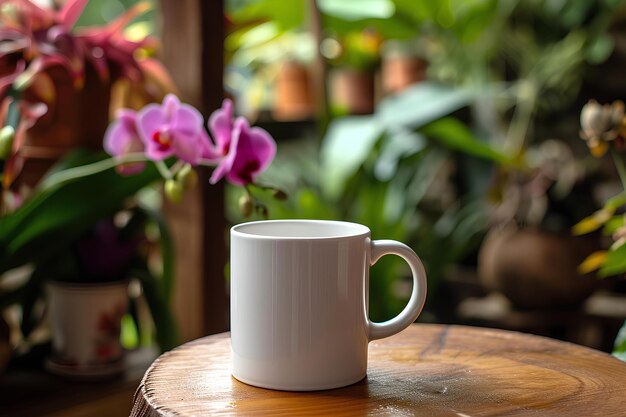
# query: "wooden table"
[426,370]
[26,390]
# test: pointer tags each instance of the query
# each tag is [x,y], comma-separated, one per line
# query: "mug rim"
[359,230]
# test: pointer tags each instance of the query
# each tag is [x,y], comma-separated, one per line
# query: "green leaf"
[386,28]
[454,135]
[164,323]
[400,144]
[613,224]
[32,292]
[619,349]
[286,17]
[615,202]
[422,104]
[419,11]
[59,213]
[615,262]
[166,245]
[346,146]
[129,335]
[357,10]
[599,49]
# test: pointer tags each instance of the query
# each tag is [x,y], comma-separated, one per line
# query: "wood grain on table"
[426,370]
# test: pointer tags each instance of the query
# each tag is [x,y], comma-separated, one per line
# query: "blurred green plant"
[391,171]
[508,62]
[43,230]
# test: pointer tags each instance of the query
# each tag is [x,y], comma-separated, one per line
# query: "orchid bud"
[245,205]
[187,176]
[279,194]
[262,210]
[7,134]
[174,190]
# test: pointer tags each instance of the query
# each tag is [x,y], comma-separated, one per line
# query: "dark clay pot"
[537,269]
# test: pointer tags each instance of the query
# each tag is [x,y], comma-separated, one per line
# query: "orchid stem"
[71,174]
[164,170]
[262,187]
[178,165]
[619,165]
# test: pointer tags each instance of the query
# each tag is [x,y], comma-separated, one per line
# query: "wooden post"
[193,33]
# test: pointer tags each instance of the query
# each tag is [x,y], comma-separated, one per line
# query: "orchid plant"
[168,141]
[603,127]
[173,129]
[146,143]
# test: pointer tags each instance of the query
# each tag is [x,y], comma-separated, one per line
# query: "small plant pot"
[537,269]
[86,320]
[293,98]
[401,71]
[352,91]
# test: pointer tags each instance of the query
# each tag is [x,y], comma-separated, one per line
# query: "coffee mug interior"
[300,229]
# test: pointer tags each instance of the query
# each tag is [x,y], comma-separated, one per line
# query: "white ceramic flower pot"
[86,321]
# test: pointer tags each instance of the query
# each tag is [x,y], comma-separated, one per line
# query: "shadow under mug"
[299,296]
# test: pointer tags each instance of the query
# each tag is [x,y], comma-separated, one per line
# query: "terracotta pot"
[353,91]
[402,71]
[86,321]
[293,98]
[536,269]
[77,118]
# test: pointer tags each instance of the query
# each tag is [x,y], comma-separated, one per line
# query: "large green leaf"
[400,144]
[454,135]
[165,326]
[167,254]
[422,104]
[357,9]
[346,146]
[287,17]
[59,213]
[350,140]
[386,28]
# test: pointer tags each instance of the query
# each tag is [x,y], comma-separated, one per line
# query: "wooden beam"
[193,33]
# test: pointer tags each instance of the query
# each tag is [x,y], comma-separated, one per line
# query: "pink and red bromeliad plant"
[36,40]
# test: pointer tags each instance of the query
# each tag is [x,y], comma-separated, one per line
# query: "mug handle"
[380,248]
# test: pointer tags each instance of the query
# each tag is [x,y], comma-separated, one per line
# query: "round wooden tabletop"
[426,370]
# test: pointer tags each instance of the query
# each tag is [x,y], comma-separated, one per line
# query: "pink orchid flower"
[171,128]
[122,138]
[242,152]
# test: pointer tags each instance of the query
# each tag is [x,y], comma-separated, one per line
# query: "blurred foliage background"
[432,164]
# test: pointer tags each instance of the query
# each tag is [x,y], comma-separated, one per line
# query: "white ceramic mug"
[299,291]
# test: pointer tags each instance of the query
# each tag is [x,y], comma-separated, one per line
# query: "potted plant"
[401,66]
[52,229]
[531,208]
[72,73]
[87,294]
[352,78]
